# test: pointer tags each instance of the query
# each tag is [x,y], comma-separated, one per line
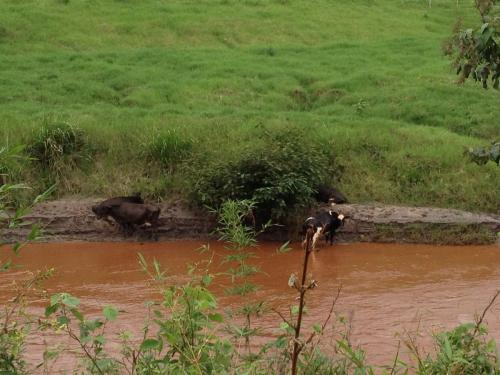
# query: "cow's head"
[100,210]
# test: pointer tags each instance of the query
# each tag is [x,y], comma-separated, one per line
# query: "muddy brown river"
[387,288]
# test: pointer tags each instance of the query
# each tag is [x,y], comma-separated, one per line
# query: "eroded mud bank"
[73,220]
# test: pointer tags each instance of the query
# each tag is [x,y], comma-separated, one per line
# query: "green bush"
[57,146]
[464,350]
[278,169]
[481,155]
[167,149]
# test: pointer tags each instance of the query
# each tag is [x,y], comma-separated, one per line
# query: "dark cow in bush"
[102,209]
[328,194]
[324,223]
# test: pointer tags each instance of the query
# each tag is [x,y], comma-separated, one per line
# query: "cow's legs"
[316,236]
[330,237]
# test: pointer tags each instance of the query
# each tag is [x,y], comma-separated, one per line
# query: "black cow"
[132,215]
[328,194]
[248,219]
[323,223]
[102,209]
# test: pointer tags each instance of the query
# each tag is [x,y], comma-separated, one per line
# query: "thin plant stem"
[297,347]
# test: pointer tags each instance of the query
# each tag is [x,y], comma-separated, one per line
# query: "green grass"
[367,75]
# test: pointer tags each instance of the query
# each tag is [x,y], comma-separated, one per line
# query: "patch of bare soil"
[73,220]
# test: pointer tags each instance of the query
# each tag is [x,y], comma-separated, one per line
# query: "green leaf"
[207,280]
[77,314]
[216,317]
[45,194]
[54,299]
[150,344]
[205,299]
[317,328]
[100,339]
[16,247]
[447,348]
[63,320]
[285,248]
[110,313]
[92,325]
[172,338]
[69,300]
[7,265]
[49,310]
[168,297]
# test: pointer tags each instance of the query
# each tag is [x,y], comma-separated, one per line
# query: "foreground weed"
[236,226]
[16,323]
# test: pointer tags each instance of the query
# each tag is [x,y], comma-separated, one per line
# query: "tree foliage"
[476,51]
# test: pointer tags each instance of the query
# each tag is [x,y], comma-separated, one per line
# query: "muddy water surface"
[386,288]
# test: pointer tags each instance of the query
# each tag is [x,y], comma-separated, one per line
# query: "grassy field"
[367,78]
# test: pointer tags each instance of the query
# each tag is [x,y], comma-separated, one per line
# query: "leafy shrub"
[278,169]
[185,340]
[59,146]
[168,149]
[464,350]
[481,155]
[477,51]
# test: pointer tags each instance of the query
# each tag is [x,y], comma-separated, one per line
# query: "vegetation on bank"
[178,99]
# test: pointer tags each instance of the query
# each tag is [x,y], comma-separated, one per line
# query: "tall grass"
[368,76]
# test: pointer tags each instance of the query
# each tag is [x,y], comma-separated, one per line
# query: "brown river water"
[386,288]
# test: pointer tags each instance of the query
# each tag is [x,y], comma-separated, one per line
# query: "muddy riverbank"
[73,220]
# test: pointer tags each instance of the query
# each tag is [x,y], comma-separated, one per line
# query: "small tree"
[477,50]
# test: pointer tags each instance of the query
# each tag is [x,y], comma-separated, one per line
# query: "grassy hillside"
[365,79]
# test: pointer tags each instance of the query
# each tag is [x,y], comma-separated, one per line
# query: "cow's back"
[130,213]
[117,201]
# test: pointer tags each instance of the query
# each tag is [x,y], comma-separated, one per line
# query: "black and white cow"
[324,223]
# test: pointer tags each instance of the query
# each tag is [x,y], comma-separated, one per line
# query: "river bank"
[72,220]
